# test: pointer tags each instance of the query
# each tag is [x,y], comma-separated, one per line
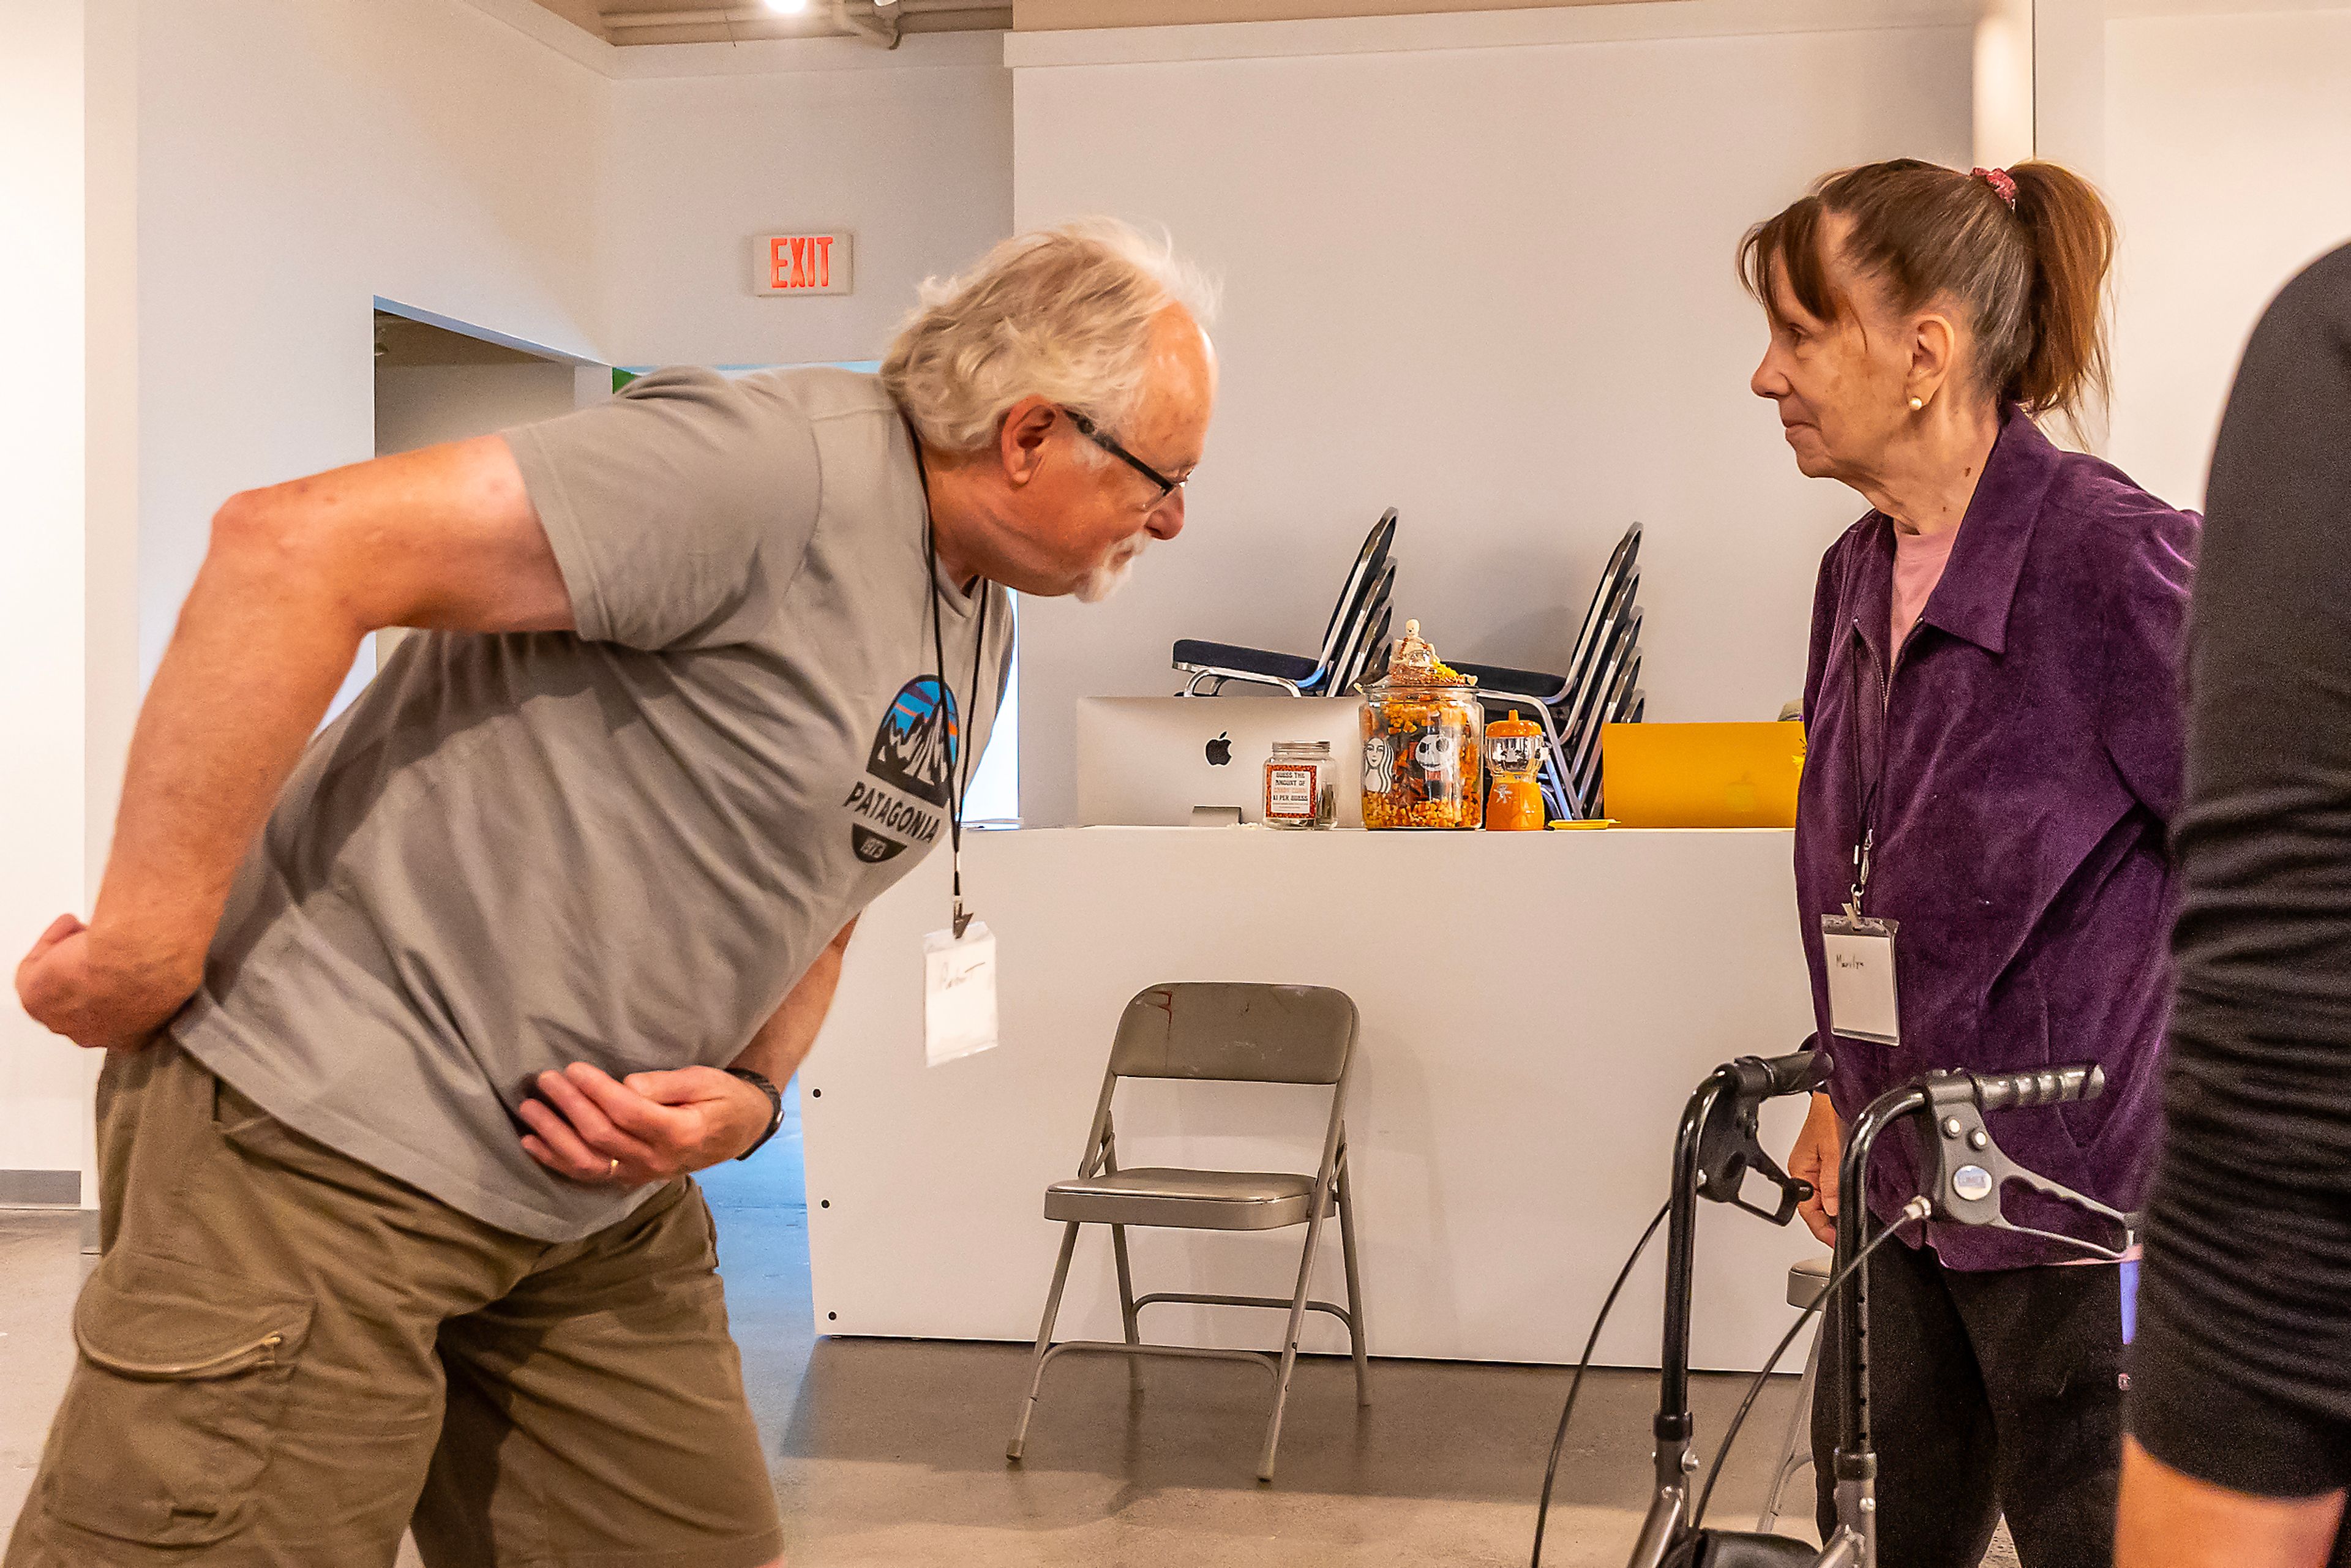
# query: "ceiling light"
[787,7]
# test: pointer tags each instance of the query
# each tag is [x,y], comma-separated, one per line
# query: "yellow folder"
[1701,775]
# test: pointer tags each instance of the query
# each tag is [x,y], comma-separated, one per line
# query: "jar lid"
[1311,747]
[1512,726]
[1415,664]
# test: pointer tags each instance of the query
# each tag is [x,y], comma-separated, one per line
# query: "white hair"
[1062,313]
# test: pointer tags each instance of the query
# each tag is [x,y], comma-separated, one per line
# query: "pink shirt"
[1918,562]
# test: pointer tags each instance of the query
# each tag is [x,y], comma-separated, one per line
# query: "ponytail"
[2065,367]
[2024,253]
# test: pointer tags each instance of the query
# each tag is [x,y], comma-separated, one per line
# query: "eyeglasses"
[1086,428]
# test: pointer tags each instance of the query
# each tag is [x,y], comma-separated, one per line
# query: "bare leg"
[2174,1520]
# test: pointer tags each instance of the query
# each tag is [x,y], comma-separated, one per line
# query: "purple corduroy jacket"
[2029,741]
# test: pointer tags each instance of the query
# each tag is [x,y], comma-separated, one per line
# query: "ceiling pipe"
[813,21]
[710,16]
[874,23]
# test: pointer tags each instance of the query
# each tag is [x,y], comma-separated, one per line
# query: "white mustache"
[1110,574]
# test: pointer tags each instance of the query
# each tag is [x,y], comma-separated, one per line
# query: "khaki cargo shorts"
[288,1358]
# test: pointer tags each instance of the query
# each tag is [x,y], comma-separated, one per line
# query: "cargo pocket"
[169,1421]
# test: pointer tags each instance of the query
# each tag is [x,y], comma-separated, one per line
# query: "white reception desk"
[1536,1008]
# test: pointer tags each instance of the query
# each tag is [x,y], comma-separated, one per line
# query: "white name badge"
[958,993]
[1861,996]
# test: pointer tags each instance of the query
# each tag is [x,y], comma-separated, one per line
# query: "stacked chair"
[1355,642]
[1603,686]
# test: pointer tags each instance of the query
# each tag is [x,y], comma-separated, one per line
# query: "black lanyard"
[1864,788]
[957,792]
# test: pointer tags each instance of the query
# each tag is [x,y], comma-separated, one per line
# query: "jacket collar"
[1979,585]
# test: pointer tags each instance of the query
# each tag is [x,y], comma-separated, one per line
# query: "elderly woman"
[1994,750]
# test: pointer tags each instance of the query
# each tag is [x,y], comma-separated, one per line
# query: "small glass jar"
[1301,791]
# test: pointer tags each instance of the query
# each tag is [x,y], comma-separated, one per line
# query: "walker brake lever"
[1729,1147]
[1970,1170]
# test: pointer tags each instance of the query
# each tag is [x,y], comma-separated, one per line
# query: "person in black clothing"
[2239,1409]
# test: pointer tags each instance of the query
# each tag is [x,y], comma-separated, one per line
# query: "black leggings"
[1991,1393]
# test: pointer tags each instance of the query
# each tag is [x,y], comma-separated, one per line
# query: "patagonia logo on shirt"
[902,801]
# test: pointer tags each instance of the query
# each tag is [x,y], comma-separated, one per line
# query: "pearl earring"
[1918,405]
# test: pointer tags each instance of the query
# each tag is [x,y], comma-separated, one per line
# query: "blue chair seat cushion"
[1249,661]
[1543,688]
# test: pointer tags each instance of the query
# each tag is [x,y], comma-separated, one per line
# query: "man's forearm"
[295,575]
[783,1041]
[258,654]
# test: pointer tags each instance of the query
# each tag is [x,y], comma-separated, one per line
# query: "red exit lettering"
[800,261]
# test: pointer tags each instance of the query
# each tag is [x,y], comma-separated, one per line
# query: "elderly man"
[398,1227]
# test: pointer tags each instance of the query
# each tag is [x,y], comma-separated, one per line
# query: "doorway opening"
[437,380]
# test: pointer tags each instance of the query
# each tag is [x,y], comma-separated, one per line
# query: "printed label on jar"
[1292,792]
[1379,765]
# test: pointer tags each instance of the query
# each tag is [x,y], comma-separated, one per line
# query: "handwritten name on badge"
[958,993]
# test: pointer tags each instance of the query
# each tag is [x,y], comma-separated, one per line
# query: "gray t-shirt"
[621,846]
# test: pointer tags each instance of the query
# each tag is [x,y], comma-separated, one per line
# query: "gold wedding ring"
[615,1171]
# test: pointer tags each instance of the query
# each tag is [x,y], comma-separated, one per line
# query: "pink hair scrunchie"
[2002,184]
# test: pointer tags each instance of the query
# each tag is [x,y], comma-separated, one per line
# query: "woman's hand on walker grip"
[651,1127]
[1818,1153]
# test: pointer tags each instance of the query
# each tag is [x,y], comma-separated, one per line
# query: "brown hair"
[2031,281]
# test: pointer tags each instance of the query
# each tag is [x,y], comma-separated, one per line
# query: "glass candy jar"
[1422,762]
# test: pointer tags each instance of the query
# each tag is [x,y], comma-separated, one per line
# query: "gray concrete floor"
[892,1452]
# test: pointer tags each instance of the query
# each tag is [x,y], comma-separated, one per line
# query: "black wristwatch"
[766,1086]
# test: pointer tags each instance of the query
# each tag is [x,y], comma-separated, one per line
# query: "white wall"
[300,158]
[43,544]
[1492,287]
[2228,161]
[911,151]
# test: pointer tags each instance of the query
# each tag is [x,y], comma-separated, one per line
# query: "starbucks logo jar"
[1422,762]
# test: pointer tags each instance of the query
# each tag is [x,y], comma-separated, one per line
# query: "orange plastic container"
[1514,759]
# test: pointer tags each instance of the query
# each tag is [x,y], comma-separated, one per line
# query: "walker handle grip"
[1795,1073]
[1729,1144]
[2050,1086]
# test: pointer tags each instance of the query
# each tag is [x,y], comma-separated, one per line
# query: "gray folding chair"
[1216,1033]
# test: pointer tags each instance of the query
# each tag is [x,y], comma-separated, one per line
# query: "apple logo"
[1220,750]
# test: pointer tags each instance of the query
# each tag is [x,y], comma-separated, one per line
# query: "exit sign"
[803,264]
